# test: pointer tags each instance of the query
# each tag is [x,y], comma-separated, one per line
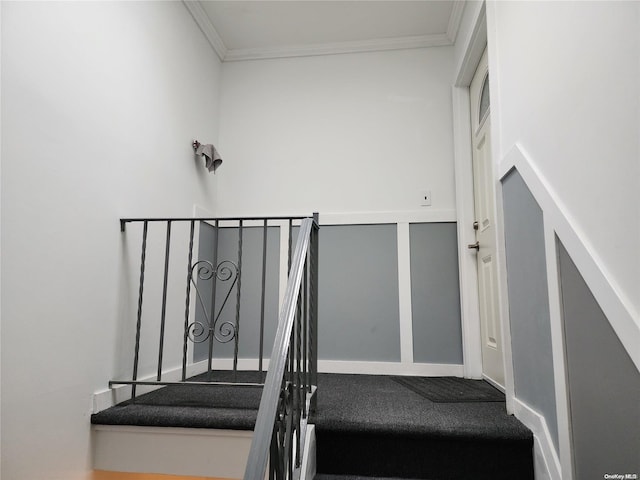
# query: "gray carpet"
[366,426]
[376,403]
[348,403]
[192,406]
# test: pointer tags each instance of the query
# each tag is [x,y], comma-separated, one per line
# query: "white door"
[484,197]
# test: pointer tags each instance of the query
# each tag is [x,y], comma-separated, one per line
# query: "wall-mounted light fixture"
[212,159]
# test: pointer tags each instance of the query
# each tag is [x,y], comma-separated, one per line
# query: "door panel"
[484,197]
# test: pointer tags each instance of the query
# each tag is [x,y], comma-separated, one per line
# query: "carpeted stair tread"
[377,404]
[192,406]
[372,426]
[187,417]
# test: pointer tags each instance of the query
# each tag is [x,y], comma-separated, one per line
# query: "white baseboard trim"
[494,383]
[546,460]
[390,368]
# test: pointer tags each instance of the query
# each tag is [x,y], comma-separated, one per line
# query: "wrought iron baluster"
[305,333]
[289,249]
[187,300]
[290,430]
[298,381]
[313,309]
[213,299]
[262,297]
[164,299]
[238,291]
[273,453]
[139,320]
[282,428]
[291,363]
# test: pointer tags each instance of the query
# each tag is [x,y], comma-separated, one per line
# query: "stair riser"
[410,457]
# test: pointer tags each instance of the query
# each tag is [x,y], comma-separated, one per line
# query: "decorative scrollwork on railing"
[224,332]
[285,428]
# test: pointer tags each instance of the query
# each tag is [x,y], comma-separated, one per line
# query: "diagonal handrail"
[275,381]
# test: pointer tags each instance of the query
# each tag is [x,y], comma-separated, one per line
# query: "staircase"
[366,426]
[237,423]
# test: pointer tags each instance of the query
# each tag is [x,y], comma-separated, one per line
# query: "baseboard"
[493,383]
[546,460]
[390,368]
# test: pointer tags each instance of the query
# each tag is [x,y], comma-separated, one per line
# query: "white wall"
[340,133]
[100,103]
[567,78]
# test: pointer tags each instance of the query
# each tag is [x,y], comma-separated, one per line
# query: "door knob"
[475,246]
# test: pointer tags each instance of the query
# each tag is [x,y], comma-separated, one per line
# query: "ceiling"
[242,30]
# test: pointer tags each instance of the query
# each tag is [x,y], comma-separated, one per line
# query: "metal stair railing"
[224,274]
[289,392]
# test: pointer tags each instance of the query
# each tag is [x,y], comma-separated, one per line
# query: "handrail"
[281,357]
[124,221]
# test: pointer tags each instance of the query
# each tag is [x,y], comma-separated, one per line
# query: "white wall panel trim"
[557,345]
[616,307]
[425,215]
[391,368]
[404,293]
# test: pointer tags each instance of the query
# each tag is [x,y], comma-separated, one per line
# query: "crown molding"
[398,43]
[454,20]
[207,28]
[375,45]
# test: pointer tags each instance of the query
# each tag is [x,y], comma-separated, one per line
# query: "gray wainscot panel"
[251,286]
[358,293]
[604,384]
[435,293]
[529,300]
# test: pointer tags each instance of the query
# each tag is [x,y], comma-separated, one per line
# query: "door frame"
[473,47]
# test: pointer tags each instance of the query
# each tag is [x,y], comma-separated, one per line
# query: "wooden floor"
[103,475]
